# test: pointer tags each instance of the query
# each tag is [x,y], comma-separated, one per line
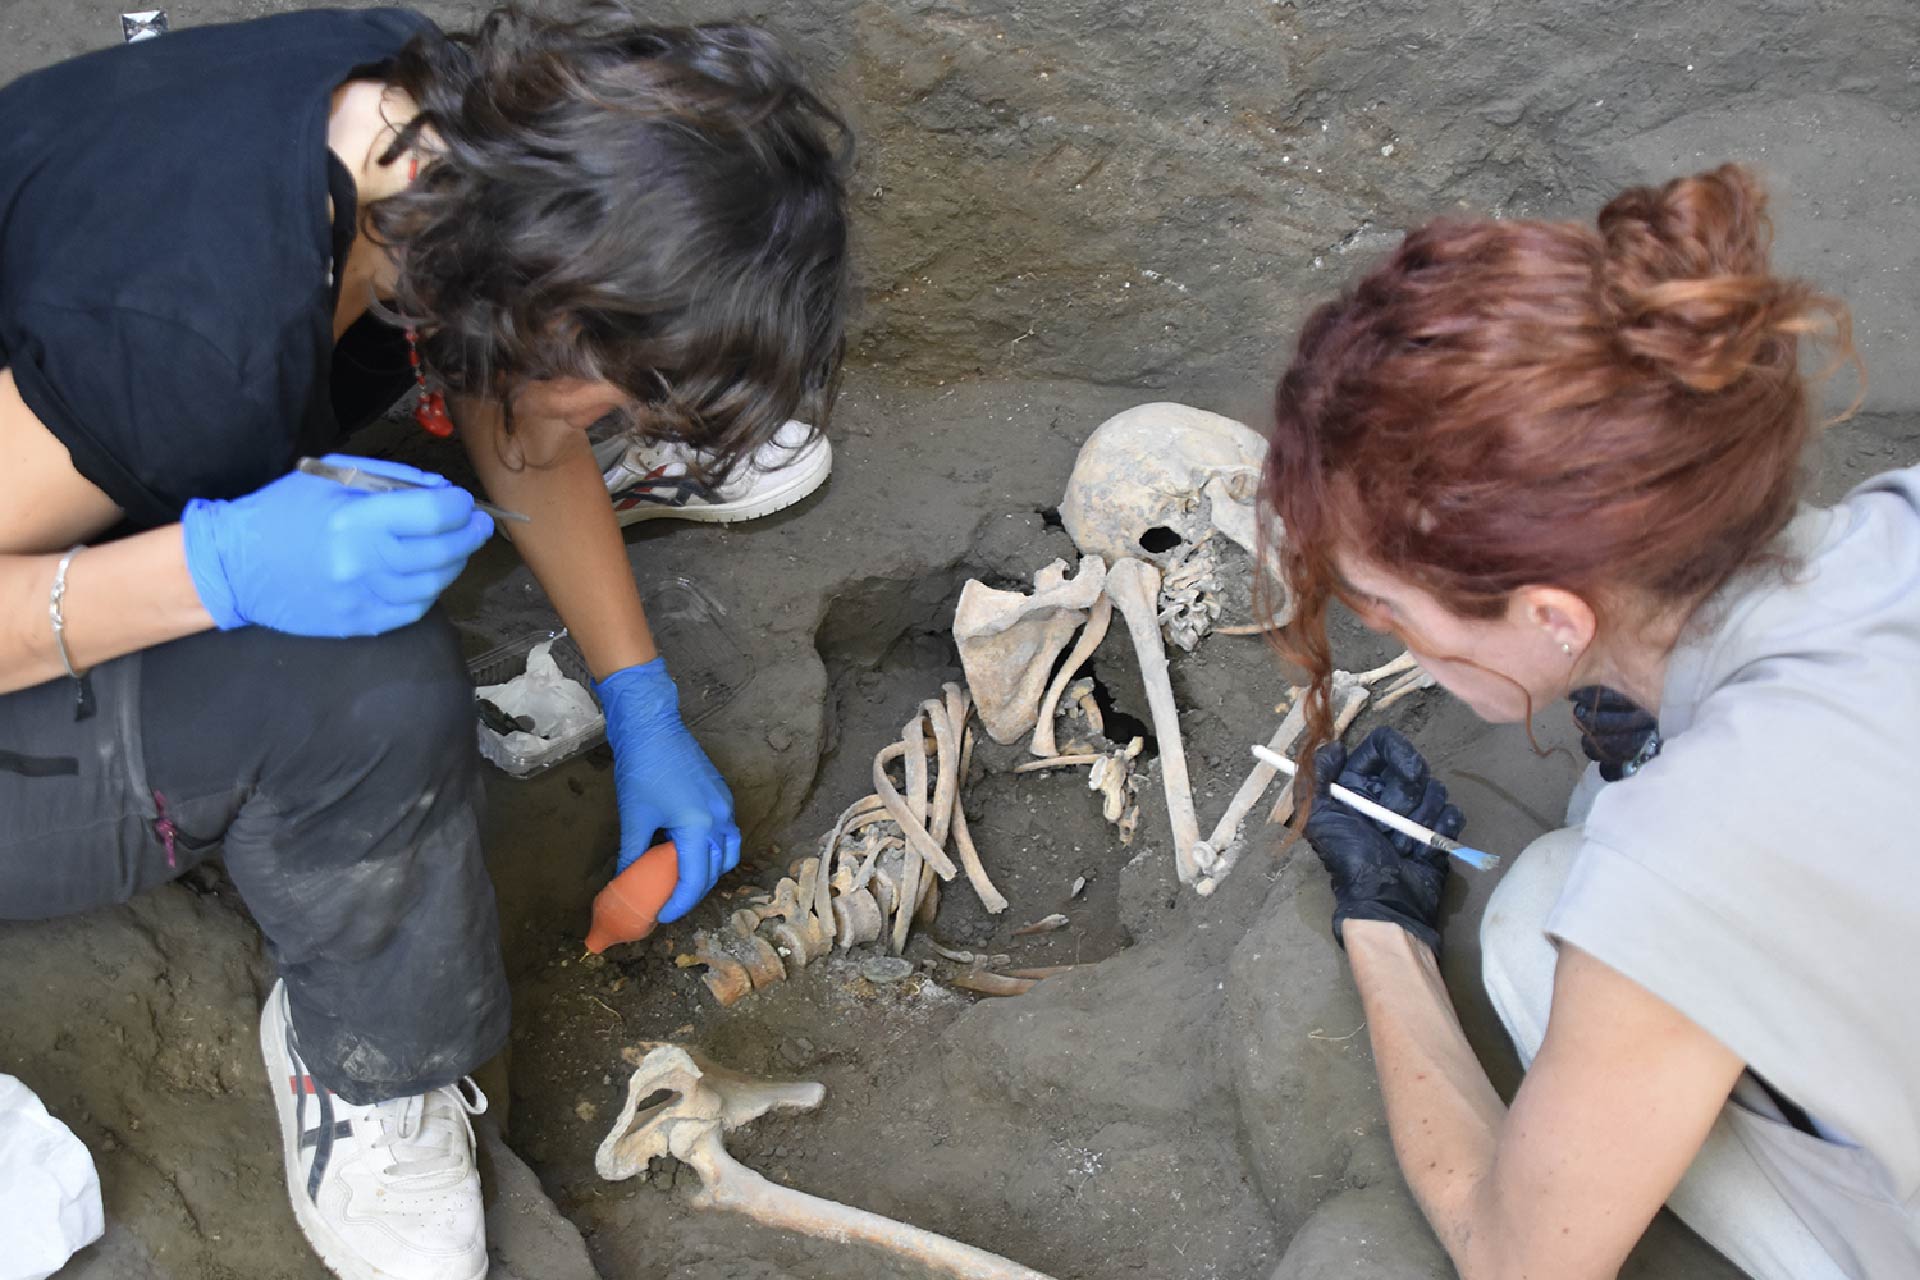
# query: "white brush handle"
[1380,813]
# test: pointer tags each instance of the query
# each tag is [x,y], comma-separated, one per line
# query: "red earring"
[431,412]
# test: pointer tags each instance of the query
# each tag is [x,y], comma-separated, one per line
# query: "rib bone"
[1098,620]
[704,1102]
[918,840]
[946,772]
[957,712]
[1135,587]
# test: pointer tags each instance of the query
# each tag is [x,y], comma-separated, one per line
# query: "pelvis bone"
[1008,641]
[702,1102]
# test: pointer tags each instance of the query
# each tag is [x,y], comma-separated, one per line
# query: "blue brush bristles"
[1478,859]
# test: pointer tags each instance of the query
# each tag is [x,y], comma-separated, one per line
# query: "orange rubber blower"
[628,908]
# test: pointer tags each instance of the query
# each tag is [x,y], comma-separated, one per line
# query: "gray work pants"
[340,782]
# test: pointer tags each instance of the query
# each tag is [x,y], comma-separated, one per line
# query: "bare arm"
[572,542]
[122,597]
[1615,1106]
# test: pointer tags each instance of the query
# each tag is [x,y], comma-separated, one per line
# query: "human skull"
[1140,487]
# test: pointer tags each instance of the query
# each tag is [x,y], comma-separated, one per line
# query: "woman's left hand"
[664,782]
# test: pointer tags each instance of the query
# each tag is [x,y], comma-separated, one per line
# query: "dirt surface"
[1064,210]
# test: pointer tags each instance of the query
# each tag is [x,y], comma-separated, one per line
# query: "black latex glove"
[1614,732]
[1380,874]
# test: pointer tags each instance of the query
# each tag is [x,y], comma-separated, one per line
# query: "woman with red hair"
[1549,457]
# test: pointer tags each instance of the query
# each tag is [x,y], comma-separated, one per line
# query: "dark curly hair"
[662,208]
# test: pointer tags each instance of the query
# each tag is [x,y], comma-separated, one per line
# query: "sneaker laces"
[672,459]
[428,1135]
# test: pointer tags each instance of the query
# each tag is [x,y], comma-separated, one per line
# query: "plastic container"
[525,755]
[704,654]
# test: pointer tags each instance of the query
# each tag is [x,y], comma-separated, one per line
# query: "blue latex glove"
[664,782]
[311,557]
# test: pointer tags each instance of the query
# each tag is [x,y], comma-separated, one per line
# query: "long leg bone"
[1405,662]
[1227,830]
[690,1125]
[1349,698]
[1412,682]
[1135,587]
[1091,635]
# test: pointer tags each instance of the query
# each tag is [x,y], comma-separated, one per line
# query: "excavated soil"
[1064,210]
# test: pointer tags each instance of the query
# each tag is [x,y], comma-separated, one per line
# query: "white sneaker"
[385,1192]
[650,481]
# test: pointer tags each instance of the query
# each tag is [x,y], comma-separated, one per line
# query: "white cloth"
[1726,1197]
[49,1192]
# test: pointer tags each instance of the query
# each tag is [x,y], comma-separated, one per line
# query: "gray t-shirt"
[1762,874]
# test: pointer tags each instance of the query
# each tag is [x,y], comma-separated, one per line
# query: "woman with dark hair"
[227,248]
[1552,457]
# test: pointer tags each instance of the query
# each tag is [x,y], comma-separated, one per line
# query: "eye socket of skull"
[1160,539]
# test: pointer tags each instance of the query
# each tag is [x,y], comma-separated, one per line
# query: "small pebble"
[1079,886]
[885,969]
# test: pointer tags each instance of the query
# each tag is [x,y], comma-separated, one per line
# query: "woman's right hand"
[1380,874]
[310,557]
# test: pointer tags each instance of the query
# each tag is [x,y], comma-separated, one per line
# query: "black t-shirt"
[167,263]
